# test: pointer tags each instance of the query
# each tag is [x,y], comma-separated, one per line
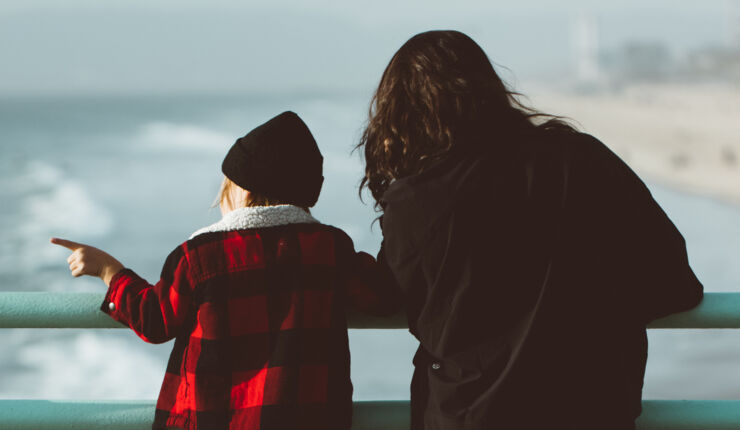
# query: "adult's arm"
[649,252]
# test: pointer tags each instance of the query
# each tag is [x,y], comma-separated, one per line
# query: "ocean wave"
[170,136]
[49,203]
[87,365]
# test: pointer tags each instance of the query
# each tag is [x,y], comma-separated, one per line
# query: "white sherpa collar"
[259,217]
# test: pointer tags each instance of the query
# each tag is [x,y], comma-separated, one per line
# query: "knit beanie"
[279,159]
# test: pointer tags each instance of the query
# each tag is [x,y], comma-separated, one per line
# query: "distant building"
[641,61]
[586,46]
[714,63]
[733,24]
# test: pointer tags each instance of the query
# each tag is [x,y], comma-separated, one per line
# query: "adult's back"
[529,279]
[531,257]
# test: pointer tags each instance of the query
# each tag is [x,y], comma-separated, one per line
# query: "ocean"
[136,176]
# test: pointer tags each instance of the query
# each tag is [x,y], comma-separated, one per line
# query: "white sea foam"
[170,136]
[88,365]
[52,204]
[66,207]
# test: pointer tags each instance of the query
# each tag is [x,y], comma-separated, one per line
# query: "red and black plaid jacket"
[258,317]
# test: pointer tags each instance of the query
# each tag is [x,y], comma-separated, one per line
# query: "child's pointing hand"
[88,260]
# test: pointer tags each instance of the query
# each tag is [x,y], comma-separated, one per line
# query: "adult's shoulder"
[588,148]
[577,143]
[593,161]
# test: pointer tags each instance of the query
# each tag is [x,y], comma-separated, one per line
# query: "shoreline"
[685,137]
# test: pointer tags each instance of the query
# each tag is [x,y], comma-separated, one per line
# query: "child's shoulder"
[340,238]
[211,252]
[266,229]
[261,225]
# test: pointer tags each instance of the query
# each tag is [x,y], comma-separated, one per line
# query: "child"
[255,302]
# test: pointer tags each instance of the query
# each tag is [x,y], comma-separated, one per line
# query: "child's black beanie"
[279,160]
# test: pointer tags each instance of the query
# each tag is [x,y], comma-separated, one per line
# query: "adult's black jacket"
[529,276]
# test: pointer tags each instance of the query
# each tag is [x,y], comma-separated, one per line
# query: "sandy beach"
[686,136]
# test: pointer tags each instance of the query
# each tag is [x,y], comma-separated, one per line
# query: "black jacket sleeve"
[648,252]
[370,284]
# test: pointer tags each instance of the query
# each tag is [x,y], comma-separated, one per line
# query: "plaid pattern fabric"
[260,326]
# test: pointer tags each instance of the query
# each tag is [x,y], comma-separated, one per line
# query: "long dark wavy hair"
[439,93]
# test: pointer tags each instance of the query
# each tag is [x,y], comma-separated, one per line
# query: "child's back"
[258,311]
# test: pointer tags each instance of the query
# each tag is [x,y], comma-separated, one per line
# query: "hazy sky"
[174,46]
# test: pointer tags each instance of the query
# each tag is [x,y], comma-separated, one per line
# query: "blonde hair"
[227,191]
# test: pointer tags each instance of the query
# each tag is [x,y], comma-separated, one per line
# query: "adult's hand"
[88,260]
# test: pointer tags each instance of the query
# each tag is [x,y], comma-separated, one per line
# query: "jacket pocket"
[457,382]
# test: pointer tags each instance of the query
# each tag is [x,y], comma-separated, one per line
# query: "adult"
[530,255]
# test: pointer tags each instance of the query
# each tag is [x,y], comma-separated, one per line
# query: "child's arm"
[155,312]
[371,287]
[88,260]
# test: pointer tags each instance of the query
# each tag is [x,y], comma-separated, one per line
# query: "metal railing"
[80,310]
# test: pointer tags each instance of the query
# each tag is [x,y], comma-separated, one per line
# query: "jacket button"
[436,366]
[112,306]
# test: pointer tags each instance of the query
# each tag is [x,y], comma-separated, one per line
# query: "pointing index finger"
[66,243]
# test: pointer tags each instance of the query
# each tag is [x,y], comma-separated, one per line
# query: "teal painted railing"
[80,310]
[138,415]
